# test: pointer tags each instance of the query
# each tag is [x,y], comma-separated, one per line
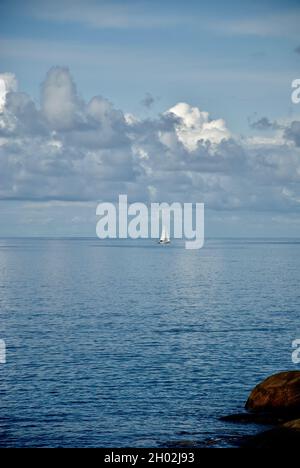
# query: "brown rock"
[279,393]
[294,425]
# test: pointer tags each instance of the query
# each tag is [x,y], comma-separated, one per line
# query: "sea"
[123,343]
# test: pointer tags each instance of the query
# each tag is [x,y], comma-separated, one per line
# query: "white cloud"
[70,150]
[194,126]
[59,103]
[8,83]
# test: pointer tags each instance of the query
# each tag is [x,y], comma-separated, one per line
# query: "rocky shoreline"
[274,402]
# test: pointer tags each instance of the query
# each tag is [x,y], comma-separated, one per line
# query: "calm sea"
[127,343]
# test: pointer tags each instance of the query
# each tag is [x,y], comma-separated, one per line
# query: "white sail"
[164,238]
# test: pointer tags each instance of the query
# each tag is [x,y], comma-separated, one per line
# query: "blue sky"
[233,60]
[194,51]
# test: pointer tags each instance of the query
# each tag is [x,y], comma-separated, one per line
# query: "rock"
[294,425]
[285,436]
[278,394]
[274,402]
[267,419]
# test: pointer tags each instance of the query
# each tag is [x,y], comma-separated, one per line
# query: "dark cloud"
[264,124]
[148,101]
[293,132]
[297,50]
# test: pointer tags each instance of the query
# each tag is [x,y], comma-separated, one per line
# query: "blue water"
[127,343]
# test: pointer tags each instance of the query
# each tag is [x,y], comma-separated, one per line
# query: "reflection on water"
[126,343]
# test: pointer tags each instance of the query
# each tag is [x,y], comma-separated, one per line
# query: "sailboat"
[164,238]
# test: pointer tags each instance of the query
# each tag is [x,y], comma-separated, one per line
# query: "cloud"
[102,15]
[120,15]
[66,149]
[292,132]
[297,50]
[70,150]
[264,124]
[8,83]
[148,101]
[283,24]
[59,101]
[193,126]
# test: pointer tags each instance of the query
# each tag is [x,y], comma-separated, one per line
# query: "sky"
[165,101]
